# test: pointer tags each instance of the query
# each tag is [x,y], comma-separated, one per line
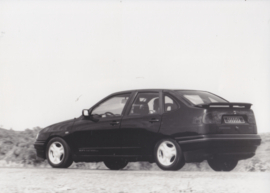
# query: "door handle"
[154,120]
[114,123]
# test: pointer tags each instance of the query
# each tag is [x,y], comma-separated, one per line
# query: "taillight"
[251,118]
[212,118]
[207,119]
[221,117]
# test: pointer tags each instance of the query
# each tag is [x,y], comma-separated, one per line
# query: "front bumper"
[40,147]
[203,147]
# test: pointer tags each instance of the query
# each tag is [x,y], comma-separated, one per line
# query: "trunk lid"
[229,118]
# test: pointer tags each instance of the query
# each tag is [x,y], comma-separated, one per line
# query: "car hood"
[61,126]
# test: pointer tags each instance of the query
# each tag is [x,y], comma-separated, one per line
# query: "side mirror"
[85,113]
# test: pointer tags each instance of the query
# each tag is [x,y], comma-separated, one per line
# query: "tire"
[229,164]
[218,164]
[58,153]
[116,164]
[168,155]
[214,164]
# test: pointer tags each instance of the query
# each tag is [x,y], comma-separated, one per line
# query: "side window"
[111,107]
[169,104]
[145,104]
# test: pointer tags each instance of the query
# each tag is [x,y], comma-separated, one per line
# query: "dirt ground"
[37,180]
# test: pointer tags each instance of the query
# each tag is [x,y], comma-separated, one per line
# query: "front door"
[102,137]
[141,123]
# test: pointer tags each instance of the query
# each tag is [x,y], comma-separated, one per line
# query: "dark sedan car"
[168,127]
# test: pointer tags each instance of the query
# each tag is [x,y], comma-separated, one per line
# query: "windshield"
[200,97]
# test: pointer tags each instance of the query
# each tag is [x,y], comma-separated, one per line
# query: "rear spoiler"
[225,105]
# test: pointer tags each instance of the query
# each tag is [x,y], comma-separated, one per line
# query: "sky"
[59,57]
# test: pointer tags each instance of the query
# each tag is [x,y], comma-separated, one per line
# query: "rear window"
[200,97]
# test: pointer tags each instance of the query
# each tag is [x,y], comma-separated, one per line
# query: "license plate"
[233,119]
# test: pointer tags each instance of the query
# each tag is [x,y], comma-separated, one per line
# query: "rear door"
[140,124]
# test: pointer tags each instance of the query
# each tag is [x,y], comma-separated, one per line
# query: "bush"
[18,147]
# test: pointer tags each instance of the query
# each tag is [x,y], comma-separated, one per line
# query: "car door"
[141,122]
[101,137]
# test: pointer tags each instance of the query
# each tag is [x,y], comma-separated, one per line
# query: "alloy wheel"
[56,152]
[166,153]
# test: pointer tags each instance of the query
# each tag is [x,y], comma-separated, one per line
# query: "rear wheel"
[58,153]
[168,155]
[116,164]
[219,164]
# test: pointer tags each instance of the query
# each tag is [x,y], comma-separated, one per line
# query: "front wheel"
[116,164]
[58,153]
[169,155]
[218,164]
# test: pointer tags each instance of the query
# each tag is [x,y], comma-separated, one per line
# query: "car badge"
[234,112]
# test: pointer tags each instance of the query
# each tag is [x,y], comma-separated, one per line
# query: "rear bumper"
[40,149]
[202,147]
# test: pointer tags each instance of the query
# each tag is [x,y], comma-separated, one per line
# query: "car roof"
[154,89]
